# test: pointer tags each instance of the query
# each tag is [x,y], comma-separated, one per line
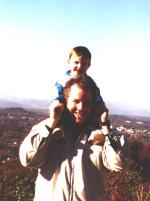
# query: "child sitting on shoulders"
[79,62]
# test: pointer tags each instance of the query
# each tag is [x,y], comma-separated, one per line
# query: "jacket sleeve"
[99,98]
[112,159]
[33,150]
[56,92]
[57,88]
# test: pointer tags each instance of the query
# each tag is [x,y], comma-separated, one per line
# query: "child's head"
[79,60]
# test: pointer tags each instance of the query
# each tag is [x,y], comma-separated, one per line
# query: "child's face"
[78,65]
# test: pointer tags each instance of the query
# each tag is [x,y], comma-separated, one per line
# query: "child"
[78,63]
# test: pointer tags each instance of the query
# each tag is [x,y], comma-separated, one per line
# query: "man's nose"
[80,106]
[79,65]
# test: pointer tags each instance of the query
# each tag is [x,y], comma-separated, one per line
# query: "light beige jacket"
[67,171]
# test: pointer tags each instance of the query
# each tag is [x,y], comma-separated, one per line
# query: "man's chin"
[79,121]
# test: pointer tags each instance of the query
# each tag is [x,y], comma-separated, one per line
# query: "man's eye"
[76,101]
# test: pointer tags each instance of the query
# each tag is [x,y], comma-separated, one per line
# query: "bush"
[25,189]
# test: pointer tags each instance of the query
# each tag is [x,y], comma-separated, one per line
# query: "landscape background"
[35,39]
[114,107]
[17,182]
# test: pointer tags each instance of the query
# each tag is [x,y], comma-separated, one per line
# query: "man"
[69,150]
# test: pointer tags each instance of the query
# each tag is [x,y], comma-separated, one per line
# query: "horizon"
[115,107]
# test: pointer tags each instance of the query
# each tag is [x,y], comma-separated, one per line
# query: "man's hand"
[56,108]
[96,137]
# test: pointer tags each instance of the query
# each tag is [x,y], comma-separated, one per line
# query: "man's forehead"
[76,89]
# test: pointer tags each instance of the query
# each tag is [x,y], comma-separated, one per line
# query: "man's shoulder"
[41,123]
[43,128]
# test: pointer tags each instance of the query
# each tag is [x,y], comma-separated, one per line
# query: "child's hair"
[81,51]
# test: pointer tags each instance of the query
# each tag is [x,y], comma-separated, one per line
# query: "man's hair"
[84,82]
[81,51]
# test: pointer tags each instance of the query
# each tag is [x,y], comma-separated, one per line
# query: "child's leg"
[102,118]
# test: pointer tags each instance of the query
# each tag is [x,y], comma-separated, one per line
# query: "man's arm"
[34,148]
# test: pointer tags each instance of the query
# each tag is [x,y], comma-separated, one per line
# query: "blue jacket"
[58,88]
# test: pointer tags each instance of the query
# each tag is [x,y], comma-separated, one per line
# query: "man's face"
[78,65]
[79,103]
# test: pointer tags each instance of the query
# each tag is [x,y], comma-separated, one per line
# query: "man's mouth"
[79,116]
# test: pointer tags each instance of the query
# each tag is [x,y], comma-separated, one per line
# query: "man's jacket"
[68,169]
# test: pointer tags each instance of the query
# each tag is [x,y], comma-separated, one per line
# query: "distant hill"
[114,108]
[124,109]
[7,104]
[25,103]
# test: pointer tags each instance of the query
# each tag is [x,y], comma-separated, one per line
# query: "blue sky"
[36,36]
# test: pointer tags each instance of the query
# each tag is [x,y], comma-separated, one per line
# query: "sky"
[37,35]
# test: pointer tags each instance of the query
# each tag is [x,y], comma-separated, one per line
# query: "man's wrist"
[49,129]
[105,123]
[105,127]
[51,123]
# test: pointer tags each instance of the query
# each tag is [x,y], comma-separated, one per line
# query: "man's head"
[79,60]
[79,94]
